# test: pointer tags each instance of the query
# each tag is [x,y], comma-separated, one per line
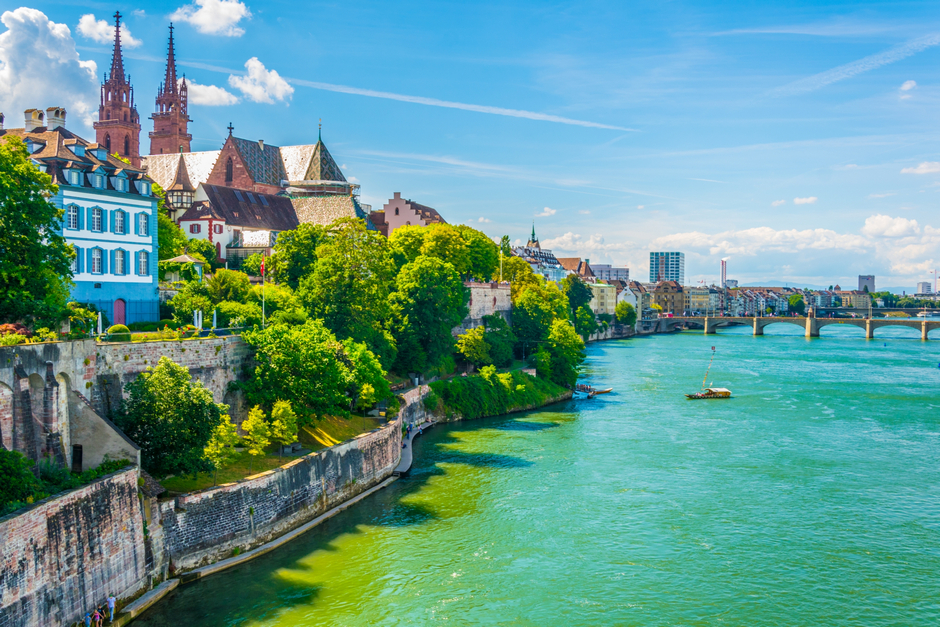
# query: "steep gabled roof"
[326,209]
[428,214]
[182,182]
[163,168]
[245,209]
[262,161]
[322,167]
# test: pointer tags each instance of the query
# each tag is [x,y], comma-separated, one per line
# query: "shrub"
[119,333]
[489,395]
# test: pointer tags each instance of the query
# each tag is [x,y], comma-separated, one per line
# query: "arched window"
[228,171]
[127,145]
[125,116]
[107,143]
[396,211]
[119,262]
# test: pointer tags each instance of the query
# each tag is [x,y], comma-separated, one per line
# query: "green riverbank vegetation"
[490,394]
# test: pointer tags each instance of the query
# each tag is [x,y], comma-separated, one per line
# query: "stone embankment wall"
[613,332]
[64,555]
[203,527]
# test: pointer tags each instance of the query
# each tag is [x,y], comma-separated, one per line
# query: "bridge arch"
[857,327]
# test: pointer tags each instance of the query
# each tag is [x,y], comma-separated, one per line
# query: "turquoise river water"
[810,498]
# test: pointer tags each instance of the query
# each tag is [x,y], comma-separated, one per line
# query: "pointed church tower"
[533,240]
[172,116]
[118,125]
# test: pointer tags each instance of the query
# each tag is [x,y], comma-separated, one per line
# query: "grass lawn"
[331,430]
[325,433]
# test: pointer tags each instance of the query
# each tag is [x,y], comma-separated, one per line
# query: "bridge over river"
[711,324]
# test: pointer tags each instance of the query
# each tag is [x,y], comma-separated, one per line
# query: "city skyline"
[798,142]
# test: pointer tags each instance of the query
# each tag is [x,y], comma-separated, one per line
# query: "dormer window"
[74,177]
[78,150]
[101,154]
[143,187]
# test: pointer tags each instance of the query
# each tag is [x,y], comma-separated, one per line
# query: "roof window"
[264,201]
[251,198]
[239,196]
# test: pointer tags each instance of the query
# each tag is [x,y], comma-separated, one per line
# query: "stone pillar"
[812,327]
[923,330]
[869,330]
[758,327]
[709,326]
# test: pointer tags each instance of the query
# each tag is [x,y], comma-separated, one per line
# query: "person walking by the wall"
[96,617]
[87,619]
[112,602]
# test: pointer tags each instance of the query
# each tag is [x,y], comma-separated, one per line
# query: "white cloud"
[102,31]
[214,17]
[584,212]
[927,167]
[483,220]
[209,95]
[857,67]
[261,84]
[641,206]
[908,85]
[805,201]
[579,245]
[546,212]
[777,203]
[885,195]
[886,226]
[752,241]
[351,179]
[39,67]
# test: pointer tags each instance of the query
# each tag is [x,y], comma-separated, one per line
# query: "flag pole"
[262,292]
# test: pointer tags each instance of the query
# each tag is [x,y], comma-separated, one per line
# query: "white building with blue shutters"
[110,218]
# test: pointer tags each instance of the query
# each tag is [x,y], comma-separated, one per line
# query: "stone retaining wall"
[64,555]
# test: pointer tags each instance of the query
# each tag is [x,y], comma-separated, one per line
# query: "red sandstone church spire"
[171,117]
[118,125]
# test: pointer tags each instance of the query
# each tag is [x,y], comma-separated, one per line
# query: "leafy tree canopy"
[228,285]
[535,310]
[518,272]
[17,481]
[500,338]
[350,284]
[205,250]
[35,260]
[295,254]
[482,254]
[564,352]
[252,264]
[430,301]
[171,238]
[171,418]
[577,291]
[307,366]
[505,246]
[584,322]
[473,347]
[626,313]
[193,297]
[796,303]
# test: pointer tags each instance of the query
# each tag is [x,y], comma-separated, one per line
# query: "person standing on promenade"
[111,603]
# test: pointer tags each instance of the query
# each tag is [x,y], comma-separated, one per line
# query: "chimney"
[55,118]
[261,144]
[397,196]
[1,121]
[33,119]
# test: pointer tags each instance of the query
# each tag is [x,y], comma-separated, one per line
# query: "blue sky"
[662,125]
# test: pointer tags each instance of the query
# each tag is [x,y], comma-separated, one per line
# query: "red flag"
[262,266]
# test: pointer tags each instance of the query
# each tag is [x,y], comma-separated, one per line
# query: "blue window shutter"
[90,221]
[137,262]
[78,259]
[112,220]
[88,259]
[111,260]
[81,217]
[136,225]
[104,261]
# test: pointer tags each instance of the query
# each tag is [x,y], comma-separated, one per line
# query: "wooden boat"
[710,393]
[582,391]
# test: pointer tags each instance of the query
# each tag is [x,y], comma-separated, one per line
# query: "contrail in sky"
[431,102]
[448,104]
[849,70]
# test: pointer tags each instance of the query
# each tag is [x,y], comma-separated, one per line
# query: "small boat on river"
[583,391]
[707,392]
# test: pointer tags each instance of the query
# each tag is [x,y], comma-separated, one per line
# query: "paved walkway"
[405,464]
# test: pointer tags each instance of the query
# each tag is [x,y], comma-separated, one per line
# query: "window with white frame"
[72,217]
[143,225]
[120,263]
[96,215]
[195,228]
[75,178]
[142,259]
[75,263]
[119,223]
[96,261]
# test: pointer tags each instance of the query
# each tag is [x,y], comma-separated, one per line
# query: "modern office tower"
[866,280]
[667,266]
[724,272]
[924,287]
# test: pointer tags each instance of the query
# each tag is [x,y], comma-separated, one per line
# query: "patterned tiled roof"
[262,161]
[296,160]
[162,168]
[322,167]
[242,208]
[327,209]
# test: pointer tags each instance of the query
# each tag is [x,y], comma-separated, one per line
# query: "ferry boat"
[582,391]
[710,393]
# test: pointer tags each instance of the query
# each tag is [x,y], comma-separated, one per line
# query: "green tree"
[429,301]
[251,265]
[295,254]
[505,246]
[535,310]
[366,381]
[564,352]
[35,260]
[172,240]
[257,434]
[303,364]
[445,242]
[283,425]
[17,481]
[482,254]
[193,297]
[626,313]
[349,286]
[232,314]
[171,418]
[405,243]
[220,451]
[474,348]
[204,250]
[519,273]
[796,304]
[500,338]
[577,291]
[228,285]
[584,322]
